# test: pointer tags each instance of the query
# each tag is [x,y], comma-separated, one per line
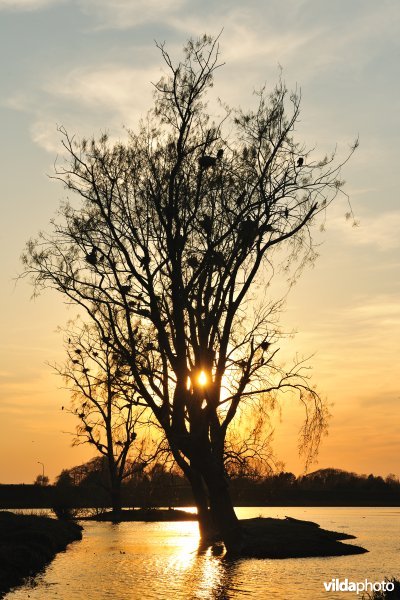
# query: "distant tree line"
[87,485]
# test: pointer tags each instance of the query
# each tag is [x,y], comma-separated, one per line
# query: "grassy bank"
[28,543]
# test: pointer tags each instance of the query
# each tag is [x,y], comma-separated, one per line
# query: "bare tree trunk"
[223,514]
[208,530]
[116,496]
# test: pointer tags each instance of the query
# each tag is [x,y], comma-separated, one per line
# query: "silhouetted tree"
[111,416]
[174,237]
[41,480]
[64,479]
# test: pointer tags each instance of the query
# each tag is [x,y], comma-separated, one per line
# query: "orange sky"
[94,74]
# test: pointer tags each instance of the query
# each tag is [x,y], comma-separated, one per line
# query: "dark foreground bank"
[28,543]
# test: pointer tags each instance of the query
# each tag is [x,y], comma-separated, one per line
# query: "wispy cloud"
[86,100]
[112,87]
[124,14]
[27,5]
[380,231]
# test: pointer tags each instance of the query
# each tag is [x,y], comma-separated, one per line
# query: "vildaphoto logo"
[344,585]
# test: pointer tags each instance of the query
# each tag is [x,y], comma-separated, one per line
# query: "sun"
[202,378]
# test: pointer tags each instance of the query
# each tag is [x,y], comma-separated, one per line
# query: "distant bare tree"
[111,416]
[175,237]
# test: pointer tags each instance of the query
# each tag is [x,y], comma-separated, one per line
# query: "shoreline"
[28,543]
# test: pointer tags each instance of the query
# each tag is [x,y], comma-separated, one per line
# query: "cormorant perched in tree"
[207,161]
[91,258]
[286,212]
[193,262]
[206,223]
[144,261]
[247,229]
[218,259]
[265,345]
[241,198]
[300,161]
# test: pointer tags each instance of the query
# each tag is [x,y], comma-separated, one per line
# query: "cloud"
[380,231]
[367,323]
[123,14]
[385,311]
[26,5]
[87,100]
[116,88]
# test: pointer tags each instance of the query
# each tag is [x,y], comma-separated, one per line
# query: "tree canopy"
[168,243]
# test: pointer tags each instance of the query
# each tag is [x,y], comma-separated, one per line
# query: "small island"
[263,537]
[142,514]
[293,538]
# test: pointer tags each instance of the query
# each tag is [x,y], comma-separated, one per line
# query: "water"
[159,561]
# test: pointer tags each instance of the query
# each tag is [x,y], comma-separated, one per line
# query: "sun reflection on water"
[163,561]
[208,577]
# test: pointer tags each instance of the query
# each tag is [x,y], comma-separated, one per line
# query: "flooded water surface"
[157,561]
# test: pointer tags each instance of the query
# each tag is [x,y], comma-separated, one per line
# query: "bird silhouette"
[300,161]
[240,199]
[247,229]
[206,161]
[193,262]
[206,223]
[91,258]
[144,261]
[218,259]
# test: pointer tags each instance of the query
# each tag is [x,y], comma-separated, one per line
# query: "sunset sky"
[88,65]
